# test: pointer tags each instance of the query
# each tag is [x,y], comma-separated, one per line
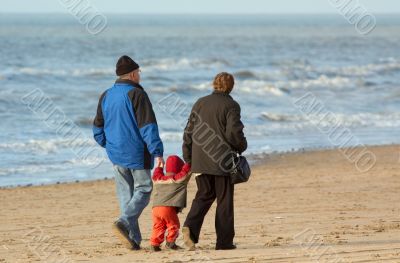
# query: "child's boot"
[172,245]
[155,248]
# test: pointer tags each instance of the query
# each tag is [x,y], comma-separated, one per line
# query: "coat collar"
[129,82]
[221,93]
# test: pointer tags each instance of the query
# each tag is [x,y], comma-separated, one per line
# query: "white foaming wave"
[46,146]
[366,70]
[384,65]
[171,136]
[365,120]
[91,161]
[163,64]
[281,88]
[202,86]
[380,120]
[163,90]
[28,169]
[343,75]
[42,71]
[280,117]
[63,72]
[94,72]
[171,64]
[321,81]
[259,87]
[42,168]
[247,86]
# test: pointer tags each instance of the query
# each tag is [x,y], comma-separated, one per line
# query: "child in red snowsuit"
[169,198]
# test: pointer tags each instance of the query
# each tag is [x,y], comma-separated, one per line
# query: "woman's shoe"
[189,244]
[230,247]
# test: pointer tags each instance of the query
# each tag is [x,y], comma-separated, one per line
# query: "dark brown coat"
[213,133]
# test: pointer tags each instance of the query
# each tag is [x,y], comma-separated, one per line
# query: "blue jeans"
[133,189]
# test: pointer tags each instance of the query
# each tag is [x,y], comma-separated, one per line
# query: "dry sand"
[302,207]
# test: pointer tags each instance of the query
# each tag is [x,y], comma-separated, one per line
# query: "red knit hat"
[174,164]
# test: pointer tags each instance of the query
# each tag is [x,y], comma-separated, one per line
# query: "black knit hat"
[125,65]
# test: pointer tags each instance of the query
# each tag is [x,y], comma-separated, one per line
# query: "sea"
[276,61]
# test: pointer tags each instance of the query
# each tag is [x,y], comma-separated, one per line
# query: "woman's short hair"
[224,82]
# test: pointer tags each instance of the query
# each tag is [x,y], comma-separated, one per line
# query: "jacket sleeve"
[234,129]
[98,124]
[158,173]
[146,122]
[187,136]
[184,174]
[182,177]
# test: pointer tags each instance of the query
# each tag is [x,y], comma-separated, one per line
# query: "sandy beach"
[297,207]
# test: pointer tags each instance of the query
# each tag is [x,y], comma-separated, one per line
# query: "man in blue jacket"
[126,126]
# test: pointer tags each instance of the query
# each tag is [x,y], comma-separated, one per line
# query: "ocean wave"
[298,75]
[385,66]
[259,87]
[46,146]
[282,87]
[301,74]
[321,81]
[294,71]
[51,146]
[171,136]
[31,169]
[380,120]
[280,117]
[164,90]
[85,122]
[173,64]
[245,74]
[91,72]
[306,70]
[163,64]
[90,162]
[297,62]
[248,86]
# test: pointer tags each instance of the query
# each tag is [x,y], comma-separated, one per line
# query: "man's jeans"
[133,189]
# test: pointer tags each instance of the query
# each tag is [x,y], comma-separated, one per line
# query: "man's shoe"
[122,232]
[155,248]
[172,245]
[134,246]
[189,243]
[230,247]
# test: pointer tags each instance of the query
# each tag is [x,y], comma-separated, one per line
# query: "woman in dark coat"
[213,133]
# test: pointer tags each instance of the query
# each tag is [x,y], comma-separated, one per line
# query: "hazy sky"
[198,6]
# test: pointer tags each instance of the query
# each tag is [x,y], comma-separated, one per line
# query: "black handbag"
[240,171]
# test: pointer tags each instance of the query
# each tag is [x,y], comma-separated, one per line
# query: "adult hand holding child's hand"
[160,162]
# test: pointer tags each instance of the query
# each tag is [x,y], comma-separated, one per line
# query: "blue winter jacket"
[126,126]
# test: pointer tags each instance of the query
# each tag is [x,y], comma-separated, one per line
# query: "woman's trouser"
[209,188]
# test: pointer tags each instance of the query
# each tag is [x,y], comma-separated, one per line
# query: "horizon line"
[188,13]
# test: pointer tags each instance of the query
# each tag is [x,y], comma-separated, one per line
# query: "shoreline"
[297,207]
[255,160]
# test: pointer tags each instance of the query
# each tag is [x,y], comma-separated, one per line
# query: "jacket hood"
[174,164]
